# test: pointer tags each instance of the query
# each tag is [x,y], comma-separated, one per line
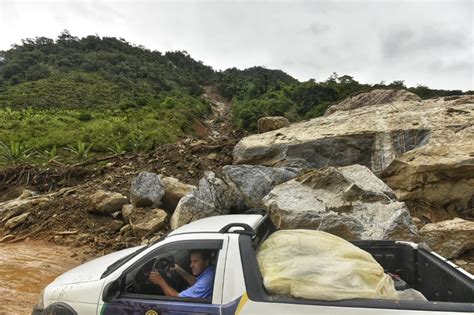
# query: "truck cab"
[118,283]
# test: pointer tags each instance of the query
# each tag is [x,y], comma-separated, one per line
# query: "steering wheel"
[163,265]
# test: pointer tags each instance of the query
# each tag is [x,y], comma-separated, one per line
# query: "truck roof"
[217,223]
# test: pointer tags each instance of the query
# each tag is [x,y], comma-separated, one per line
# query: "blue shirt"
[203,287]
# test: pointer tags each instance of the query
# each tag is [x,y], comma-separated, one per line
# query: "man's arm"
[189,278]
[168,290]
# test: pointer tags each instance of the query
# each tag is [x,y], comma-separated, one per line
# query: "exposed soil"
[64,219]
[25,268]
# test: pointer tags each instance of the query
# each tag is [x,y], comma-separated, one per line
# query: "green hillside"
[98,95]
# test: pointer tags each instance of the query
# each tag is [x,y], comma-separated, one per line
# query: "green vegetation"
[163,120]
[304,100]
[296,101]
[69,99]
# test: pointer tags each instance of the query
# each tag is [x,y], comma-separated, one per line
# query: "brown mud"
[27,267]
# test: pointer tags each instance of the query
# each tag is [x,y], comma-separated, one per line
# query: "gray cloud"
[428,42]
[411,41]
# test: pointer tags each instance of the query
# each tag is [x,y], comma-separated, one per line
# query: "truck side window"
[175,272]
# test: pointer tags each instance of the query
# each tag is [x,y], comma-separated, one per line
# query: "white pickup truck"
[118,283]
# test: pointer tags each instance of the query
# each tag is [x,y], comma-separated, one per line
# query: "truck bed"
[446,286]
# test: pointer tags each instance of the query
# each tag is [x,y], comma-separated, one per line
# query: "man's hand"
[176,268]
[156,278]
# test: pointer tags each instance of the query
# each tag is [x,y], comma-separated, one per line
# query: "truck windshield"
[122,261]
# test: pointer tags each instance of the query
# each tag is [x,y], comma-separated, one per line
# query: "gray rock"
[147,190]
[106,202]
[212,197]
[255,181]
[421,149]
[15,221]
[449,238]
[349,202]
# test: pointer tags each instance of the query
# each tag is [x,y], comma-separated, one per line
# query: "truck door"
[138,295]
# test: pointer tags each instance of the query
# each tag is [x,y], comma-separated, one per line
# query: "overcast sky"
[421,42]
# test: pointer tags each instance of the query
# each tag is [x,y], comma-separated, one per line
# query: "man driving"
[200,281]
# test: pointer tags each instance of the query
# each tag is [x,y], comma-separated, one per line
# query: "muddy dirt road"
[27,267]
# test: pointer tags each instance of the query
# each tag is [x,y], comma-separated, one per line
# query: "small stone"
[212,156]
[416,220]
[127,211]
[116,225]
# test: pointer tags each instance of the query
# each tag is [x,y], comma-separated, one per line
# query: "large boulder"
[423,150]
[213,196]
[265,124]
[106,202]
[374,97]
[350,202]
[147,190]
[255,181]
[441,174]
[174,191]
[449,238]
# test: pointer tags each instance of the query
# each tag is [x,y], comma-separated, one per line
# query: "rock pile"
[357,173]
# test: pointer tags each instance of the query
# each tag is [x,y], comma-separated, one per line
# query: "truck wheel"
[59,309]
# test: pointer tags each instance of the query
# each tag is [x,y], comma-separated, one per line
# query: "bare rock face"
[423,150]
[107,202]
[374,97]
[147,190]
[265,124]
[255,181]
[370,136]
[349,202]
[174,191]
[212,197]
[449,238]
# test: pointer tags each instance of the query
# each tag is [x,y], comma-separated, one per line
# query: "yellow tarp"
[317,265]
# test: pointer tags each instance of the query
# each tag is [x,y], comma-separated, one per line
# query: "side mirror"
[111,291]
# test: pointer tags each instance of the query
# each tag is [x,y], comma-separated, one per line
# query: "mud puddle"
[27,267]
